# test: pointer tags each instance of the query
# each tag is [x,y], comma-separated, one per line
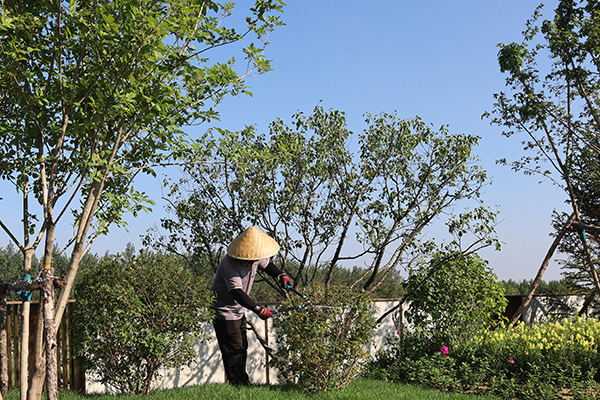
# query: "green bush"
[450,299]
[453,298]
[324,348]
[556,354]
[134,316]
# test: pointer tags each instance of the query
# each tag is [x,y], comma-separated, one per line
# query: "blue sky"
[434,59]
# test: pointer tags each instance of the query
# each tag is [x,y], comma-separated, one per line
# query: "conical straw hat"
[253,244]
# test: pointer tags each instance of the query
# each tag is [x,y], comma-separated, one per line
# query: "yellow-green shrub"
[556,352]
[566,335]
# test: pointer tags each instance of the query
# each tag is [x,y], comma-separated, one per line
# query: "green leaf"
[72,7]
[109,19]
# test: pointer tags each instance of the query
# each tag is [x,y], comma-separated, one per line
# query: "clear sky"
[434,59]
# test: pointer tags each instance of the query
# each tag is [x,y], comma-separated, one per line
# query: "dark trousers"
[233,343]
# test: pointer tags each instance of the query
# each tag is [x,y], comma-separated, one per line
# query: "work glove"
[265,313]
[284,281]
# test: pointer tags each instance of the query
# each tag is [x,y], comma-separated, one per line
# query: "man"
[248,253]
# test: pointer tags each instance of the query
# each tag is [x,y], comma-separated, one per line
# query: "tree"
[328,202]
[557,112]
[135,316]
[562,286]
[586,185]
[94,93]
[11,263]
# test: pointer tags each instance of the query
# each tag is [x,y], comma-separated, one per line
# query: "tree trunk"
[588,300]
[588,259]
[50,334]
[36,383]
[4,360]
[87,215]
[541,271]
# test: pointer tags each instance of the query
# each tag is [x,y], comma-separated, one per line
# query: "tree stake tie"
[583,235]
[25,294]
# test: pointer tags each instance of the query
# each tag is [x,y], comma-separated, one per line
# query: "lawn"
[357,390]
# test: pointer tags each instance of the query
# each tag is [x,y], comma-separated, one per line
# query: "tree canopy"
[95,92]
[328,196]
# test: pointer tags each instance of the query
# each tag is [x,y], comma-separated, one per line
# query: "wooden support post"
[25,314]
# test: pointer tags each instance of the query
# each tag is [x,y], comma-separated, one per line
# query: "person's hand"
[285,281]
[265,313]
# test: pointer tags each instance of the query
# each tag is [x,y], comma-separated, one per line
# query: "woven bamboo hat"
[253,244]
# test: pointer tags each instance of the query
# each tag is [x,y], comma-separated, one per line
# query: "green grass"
[357,390]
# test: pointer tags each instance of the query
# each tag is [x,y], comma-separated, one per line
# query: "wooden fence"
[70,375]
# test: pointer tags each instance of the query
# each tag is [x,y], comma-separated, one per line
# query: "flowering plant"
[553,360]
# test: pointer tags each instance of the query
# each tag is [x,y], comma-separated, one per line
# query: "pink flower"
[399,332]
[444,350]
[510,360]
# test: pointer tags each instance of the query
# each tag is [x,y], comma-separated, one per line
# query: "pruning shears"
[291,288]
[300,306]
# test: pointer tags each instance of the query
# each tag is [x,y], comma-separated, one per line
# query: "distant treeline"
[11,267]
[11,264]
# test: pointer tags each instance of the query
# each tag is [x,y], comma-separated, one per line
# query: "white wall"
[543,308]
[208,367]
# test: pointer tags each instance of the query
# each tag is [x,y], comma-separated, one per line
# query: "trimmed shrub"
[460,299]
[323,348]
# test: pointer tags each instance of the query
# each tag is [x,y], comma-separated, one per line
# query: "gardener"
[248,253]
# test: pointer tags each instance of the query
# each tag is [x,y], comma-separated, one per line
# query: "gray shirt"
[234,274]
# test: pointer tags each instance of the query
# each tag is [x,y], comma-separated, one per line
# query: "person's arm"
[244,300]
[275,272]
